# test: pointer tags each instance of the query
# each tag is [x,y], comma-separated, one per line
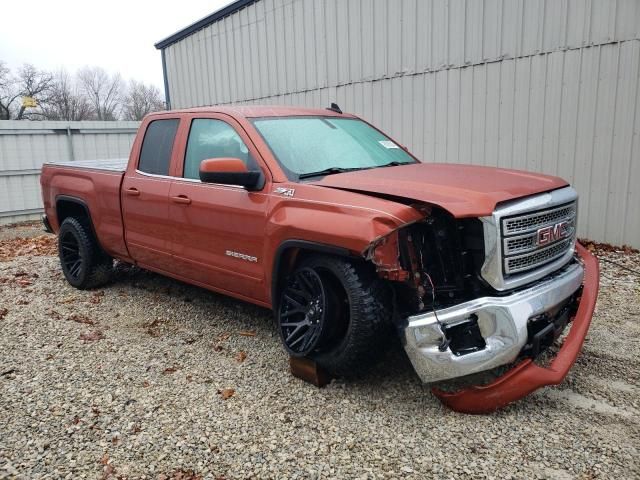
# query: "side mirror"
[230,171]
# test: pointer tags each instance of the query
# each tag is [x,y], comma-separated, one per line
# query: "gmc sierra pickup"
[347,236]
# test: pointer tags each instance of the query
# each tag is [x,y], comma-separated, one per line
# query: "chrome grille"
[533,221]
[521,263]
[528,238]
[521,251]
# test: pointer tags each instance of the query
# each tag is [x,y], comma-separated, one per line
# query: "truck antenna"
[334,108]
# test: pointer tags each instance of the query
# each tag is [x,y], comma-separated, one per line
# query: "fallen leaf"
[247,333]
[152,327]
[146,384]
[93,336]
[108,471]
[105,459]
[223,336]
[79,318]
[226,393]
[181,475]
[40,245]
[170,370]
[217,348]
[3,312]
[241,356]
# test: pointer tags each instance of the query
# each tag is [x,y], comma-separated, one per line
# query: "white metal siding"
[548,86]
[25,146]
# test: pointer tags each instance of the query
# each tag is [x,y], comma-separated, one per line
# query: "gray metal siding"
[547,86]
[25,146]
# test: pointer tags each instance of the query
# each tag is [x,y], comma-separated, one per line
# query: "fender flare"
[80,202]
[300,244]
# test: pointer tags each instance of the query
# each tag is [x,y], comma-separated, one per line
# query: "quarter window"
[157,145]
[209,138]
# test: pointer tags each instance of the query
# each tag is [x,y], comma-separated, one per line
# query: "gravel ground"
[151,378]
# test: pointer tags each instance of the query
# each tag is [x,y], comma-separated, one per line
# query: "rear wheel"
[84,263]
[335,312]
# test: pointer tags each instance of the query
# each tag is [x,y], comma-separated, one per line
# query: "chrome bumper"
[502,322]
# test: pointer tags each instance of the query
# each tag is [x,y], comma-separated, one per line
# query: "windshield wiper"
[394,164]
[329,171]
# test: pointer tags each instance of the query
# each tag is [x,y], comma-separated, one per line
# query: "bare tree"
[66,100]
[7,91]
[30,82]
[33,83]
[140,100]
[104,91]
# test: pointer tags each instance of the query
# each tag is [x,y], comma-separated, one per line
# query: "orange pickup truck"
[347,236]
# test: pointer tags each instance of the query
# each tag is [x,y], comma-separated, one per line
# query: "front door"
[218,229]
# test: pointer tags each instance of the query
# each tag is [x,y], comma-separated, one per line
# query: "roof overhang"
[204,22]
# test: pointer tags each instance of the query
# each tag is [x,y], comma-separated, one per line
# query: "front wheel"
[336,312]
[83,262]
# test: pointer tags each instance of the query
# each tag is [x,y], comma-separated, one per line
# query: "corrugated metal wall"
[549,86]
[25,146]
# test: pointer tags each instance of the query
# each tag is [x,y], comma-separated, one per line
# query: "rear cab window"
[157,145]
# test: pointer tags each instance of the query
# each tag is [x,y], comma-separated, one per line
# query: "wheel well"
[76,208]
[289,254]
[71,208]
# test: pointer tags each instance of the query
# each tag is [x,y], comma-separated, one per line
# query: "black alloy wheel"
[303,312]
[337,312]
[84,264]
[71,256]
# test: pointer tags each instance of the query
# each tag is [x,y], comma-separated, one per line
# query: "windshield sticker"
[388,144]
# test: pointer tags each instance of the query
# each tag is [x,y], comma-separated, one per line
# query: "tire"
[83,262]
[356,328]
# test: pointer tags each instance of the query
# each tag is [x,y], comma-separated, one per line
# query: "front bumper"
[503,324]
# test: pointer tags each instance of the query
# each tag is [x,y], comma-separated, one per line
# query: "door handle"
[134,192]
[182,199]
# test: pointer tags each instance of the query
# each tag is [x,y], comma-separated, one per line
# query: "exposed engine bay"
[434,263]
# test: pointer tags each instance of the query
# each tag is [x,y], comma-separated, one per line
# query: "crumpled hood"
[463,190]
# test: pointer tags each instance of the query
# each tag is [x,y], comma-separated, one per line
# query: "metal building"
[549,86]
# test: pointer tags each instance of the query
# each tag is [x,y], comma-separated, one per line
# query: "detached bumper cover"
[527,377]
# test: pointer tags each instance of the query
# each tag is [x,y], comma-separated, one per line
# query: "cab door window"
[210,138]
[157,145]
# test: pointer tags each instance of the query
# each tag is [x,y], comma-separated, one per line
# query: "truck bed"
[110,164]
[93,184]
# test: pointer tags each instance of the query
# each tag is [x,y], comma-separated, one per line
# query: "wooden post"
[309,371]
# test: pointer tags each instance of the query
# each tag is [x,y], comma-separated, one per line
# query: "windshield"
[305,145]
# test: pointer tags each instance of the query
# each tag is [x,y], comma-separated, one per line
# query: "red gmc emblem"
[552,233]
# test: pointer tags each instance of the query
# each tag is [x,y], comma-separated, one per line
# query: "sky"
[117,35]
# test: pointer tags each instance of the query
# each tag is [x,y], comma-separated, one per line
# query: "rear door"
[218,229]
[145,196]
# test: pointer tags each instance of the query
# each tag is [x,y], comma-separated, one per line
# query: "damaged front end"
[454,322]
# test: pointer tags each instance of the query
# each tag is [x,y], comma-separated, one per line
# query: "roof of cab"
[253,111]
